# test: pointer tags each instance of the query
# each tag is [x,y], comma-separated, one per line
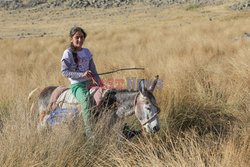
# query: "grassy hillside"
[201,53]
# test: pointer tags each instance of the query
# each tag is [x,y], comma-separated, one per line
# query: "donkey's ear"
[152,86]
[142,87]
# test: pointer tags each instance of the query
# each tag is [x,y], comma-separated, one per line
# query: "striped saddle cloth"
[64,106]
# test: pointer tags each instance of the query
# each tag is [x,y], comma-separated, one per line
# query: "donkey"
[140,103]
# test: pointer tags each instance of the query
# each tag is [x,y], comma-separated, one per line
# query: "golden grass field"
[201,54]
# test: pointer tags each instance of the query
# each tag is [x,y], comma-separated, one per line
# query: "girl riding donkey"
[78,66]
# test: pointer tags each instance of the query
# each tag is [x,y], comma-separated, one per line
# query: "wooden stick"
[122,69]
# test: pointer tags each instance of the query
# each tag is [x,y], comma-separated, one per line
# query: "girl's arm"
[95,75]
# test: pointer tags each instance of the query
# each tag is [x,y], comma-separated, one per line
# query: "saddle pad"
[59,116]
[68,108]
[68,100]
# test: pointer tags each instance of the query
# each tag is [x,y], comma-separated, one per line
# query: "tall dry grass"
[204,100]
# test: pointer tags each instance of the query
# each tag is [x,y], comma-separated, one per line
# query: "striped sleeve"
[67,66]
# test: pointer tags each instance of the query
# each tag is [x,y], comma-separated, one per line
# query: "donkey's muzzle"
[156,128]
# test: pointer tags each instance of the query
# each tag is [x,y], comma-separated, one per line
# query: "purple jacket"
[74,71]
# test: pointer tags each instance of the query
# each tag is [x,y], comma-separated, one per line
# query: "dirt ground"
[23,23]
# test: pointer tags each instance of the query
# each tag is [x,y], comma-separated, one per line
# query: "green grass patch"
[193,7]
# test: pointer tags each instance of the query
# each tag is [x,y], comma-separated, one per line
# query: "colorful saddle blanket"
[64,106]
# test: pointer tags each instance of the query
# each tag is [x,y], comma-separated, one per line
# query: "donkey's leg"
[113,120]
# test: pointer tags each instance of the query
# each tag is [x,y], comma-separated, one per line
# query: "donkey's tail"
[31,98]
[32,93]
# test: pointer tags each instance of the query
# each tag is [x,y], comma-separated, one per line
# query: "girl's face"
[77,40]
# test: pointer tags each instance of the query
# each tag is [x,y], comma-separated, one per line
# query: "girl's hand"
[87,74]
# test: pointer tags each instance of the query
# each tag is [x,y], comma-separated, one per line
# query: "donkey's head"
[146,108]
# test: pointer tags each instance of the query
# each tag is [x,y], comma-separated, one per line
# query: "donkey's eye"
[147,102]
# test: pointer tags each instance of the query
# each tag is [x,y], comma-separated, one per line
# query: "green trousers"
[81,93]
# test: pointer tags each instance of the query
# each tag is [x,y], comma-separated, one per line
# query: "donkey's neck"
[126,96]
[125,100]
